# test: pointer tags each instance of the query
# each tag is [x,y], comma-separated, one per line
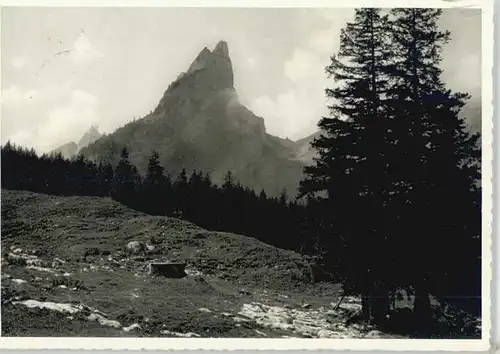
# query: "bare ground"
[66,271]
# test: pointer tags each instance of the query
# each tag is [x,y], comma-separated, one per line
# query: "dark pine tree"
[126,181]
[180,192]
[347,182]
[156,187]
[438,196]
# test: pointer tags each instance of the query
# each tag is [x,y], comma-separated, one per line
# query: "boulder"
[168,270]
[136,247]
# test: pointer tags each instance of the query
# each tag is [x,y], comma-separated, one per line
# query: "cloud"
[18,98]
[67,122]
[20,62]
[250,62]
[21,137]
[83,51]
[295,112]
[292,114]
[303,65]
[11,96]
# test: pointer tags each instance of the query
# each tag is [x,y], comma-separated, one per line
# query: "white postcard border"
[312,344]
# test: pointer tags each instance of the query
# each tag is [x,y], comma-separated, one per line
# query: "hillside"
[67,271]
[200,124]
[67,150]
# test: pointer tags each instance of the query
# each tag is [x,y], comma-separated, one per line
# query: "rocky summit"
[70,149]
[200,124]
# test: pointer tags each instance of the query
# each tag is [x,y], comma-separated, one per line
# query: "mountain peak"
[199,124]
[89,137]
[221,49]
[216,65]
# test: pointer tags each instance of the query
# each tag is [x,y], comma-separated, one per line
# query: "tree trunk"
[380,305]
[366,307]
[422,308]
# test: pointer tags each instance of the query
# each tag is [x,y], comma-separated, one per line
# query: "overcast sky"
[65,69]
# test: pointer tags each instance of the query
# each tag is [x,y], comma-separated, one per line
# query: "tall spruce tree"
[348,177]
[181,188]
[438,199]
[126,180]
[156,186]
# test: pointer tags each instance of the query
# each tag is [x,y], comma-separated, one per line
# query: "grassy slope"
[86,237]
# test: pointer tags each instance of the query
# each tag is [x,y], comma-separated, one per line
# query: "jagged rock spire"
[217,66]
[221,49]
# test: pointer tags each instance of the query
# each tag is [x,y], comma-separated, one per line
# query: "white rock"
[374,334]
[135,247]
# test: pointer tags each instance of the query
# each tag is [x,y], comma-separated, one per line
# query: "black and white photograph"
[302,173]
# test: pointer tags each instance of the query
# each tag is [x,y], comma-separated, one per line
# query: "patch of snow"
[19,281]
[62,286]
[350,307]
[202,309]
[306,322]
[260,333]
[17,250]
[132,327]
[350,303]
[60,307]
[30,259]
[96,315]
[177,334]
[104,321]
[326,333]
[41,269]
[240,319]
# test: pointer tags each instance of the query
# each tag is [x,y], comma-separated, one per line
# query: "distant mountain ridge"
[71,149]
[200,124]
[67,150]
